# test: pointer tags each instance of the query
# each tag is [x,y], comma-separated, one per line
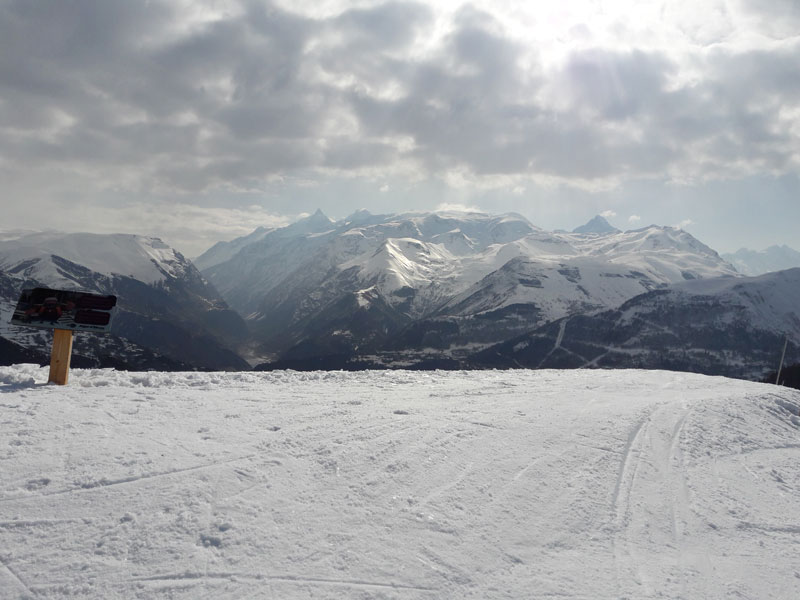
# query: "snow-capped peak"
[597,225]
[315,223]
[403,262]
[147,259]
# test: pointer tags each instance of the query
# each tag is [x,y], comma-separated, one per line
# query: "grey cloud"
[734,114]
[243,168]
[477,41]
[109,85]
[618,85]
[462,106]
[758,74]
[386,26]
[96,68]
[480,117]
[777,18]
[348,154]
[82,33]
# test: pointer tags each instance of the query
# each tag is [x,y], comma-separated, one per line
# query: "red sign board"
[64,309]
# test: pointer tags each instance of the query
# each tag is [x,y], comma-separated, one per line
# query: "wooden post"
[60,356]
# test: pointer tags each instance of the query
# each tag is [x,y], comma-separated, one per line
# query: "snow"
[774,258]
[391,484]
[404,262]
[452,267]
[365,297]
[224,251]
[663,253]
[28,337]
[147,259]
[768,300]
[443,256]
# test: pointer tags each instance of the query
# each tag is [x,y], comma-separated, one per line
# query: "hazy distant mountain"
[167,313]
[451,280]
[598,224]
[774,258]
[223,251]
[728,326]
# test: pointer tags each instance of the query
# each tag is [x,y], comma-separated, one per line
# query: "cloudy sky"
[197,121]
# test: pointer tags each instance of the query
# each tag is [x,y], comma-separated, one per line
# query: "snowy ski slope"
[515,484]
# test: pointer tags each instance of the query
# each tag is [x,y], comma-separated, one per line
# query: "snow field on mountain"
[437,259]
[662,254]
[144,258]
[392,484]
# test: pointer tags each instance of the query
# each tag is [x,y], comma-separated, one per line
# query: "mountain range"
[370,282]
[417,290]
[774,258]
[167,312]
[726,326]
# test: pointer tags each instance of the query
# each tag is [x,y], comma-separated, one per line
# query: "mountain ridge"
[729,326]
[774,258]
[415,290]
[447,266]
[165,307]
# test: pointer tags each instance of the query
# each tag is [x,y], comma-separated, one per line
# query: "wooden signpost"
[65,312]
[60,356]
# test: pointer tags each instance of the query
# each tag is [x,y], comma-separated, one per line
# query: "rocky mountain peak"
[597,225]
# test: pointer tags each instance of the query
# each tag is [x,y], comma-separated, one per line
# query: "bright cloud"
[455,207]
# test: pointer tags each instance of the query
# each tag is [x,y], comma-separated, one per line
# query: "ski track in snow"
[515,484]
[654,442]
[16,580]
[105,483]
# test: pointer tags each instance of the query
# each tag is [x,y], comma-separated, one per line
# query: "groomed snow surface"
[514,484]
